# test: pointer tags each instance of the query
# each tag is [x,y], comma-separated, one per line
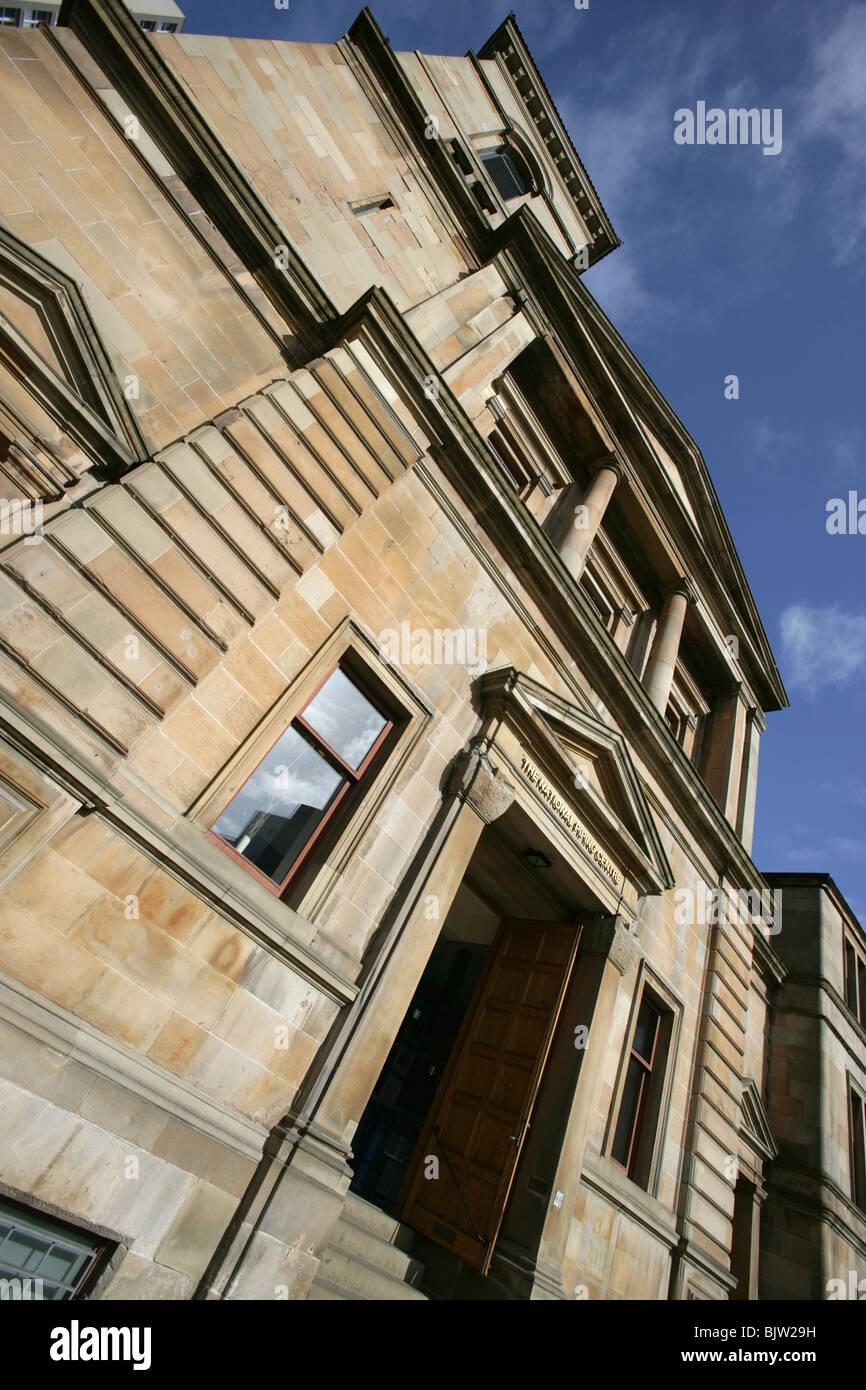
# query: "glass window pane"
[645,1031]
[32,1246]
[273,816]
[505,174]
[63,1264]
[52,1291]
[24,1250]
[850,977]
[628,1111]
[861,989]
[345,718]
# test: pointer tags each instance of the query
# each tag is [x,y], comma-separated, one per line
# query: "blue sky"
[733,262]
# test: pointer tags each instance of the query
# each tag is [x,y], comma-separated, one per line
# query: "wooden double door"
[482,1107]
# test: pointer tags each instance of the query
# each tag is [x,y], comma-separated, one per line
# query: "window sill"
[602,1176]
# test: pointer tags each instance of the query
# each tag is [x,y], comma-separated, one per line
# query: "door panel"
[482,1106]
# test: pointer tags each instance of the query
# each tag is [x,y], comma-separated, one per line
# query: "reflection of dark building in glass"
[272,842]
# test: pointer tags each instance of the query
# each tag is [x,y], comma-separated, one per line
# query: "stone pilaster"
[723,760]
[749,777]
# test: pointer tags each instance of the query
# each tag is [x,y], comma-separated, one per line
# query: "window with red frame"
[857,1116]
[636,1125]
[272,824]
[855,981]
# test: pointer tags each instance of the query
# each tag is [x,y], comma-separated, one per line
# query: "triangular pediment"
[755,1122]
[49,342]
[674,471]
[590,764]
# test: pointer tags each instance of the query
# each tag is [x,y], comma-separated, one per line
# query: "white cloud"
[850,789]
[622,121]
[845,845]
[847,453]
[771,445]
[616,284]
[822,646]
[834,105]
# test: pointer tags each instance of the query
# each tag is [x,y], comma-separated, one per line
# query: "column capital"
[686,587]
[609,461]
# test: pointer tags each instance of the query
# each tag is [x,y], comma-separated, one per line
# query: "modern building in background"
[380,701]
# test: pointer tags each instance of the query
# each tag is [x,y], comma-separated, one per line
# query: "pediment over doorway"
[581,774]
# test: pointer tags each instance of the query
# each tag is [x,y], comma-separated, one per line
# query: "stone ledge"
[63,1031]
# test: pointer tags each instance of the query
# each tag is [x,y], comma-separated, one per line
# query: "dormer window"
[507,173]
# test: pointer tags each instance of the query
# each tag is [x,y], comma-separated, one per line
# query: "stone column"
[663,655]
[577,538]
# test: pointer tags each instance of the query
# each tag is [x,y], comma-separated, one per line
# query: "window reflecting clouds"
[275,813]
[345,719]
[280,808]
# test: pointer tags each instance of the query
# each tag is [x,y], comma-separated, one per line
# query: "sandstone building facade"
[813,1233]
[380,700]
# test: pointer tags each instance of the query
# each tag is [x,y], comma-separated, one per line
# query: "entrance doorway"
[439,1141]
[395,1116]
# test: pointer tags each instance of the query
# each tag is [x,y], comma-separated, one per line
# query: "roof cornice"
[508,45]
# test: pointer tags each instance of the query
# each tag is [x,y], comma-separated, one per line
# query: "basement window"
[10,14]
[43,1258]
